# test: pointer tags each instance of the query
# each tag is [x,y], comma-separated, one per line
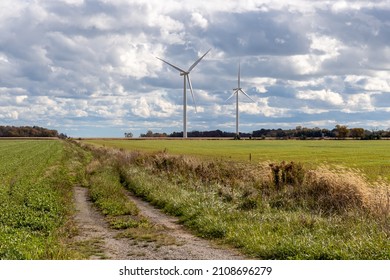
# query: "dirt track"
[106,243]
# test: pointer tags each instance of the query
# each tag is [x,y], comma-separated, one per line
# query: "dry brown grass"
[344,189]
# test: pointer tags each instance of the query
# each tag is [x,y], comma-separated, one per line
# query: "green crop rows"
[34,187]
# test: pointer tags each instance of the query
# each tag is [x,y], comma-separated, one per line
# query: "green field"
[372,157]
[36,182]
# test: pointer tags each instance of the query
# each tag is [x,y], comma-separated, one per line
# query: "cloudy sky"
[89,67]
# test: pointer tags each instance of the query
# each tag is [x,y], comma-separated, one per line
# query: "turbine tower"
[186,77]
[236,91]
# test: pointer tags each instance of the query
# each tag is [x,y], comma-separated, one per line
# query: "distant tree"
[149,133]
[357,133]
[176,134]
[128,135]
[62,136]
[280,133]
[27,131]
[327,133]
[342,131]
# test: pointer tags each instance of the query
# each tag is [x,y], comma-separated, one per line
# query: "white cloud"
[272,112]
[154,105]
[379,83]
[312,111]
[304,64]
[249,108]
[79,113]
[45,101]
[12,91]
[339,6]
[376,84]
[323,48]
[306,83]
[205,96]
[261,83]
[20,99]
[198,20]
[164,108]
[359,103]
[327,45]
[13,115]
[327,96]
[3,58]
[74,2]
[260,108]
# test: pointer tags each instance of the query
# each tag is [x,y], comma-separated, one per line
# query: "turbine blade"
[234,92]
[239,74]
[177,68]
[196,62]
[192,92]
[247,95]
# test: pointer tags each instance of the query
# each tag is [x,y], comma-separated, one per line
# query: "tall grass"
[269,210]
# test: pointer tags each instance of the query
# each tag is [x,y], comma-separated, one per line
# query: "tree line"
[29,131]
[339,132]
[299,132]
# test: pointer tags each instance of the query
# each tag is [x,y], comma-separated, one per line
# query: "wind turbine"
[236,91]
[186,77]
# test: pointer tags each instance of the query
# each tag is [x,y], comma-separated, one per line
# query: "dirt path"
[105,242]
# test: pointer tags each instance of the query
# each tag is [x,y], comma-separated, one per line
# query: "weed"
[91,248]
[126,222]
[287,174]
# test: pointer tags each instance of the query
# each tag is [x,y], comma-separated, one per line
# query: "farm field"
[36,184]
[372,157]
[268,210]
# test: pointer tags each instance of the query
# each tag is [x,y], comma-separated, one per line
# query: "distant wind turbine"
[186,76]
[236,91]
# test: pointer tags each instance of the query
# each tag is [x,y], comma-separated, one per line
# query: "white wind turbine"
[236,91]
[186,76]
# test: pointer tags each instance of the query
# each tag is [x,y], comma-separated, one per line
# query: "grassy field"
[372,157]
[36,183]
[269,211]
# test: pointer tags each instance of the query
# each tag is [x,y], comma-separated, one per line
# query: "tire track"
[106,243]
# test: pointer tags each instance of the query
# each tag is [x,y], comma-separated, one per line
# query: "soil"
[106,243]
